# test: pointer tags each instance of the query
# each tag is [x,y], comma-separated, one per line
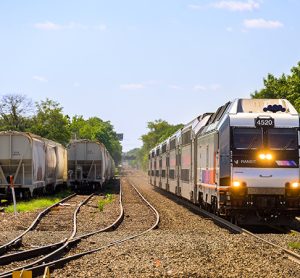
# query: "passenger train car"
[36,164]
[89,164]
[241,162]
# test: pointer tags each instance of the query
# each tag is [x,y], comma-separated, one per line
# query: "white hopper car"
[35,163]
[241,162]
[89,164]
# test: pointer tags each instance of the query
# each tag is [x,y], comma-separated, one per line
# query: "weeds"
[294,245]
[39,203]
[107,200]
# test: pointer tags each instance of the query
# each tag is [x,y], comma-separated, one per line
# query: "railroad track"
[52,249]
[228,225]
[18,240]
[39,268]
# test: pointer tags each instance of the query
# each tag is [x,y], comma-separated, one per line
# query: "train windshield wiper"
[289,143]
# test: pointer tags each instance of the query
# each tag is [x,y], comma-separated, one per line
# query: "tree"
[285,86]
[14,112]
[50,122]
[159,131]
[132,157]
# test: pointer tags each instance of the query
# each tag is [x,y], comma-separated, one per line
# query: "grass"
[294,245]
[39,203]
[107,200]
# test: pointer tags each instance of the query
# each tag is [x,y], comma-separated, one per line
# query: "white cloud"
[101,27]
[40,78]
[132,86]
[208,88]
[175,87]
[195,7]
[51,26]
[260,23]
[215,87]
[240,6]
[200,88]
[48,26]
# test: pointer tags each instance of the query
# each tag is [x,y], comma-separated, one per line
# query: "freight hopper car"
[89,164]
[241,162]
[36,164]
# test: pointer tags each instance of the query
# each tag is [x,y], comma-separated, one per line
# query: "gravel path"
[285,240]
[185,245]
[90,218]
[54,226]
[12,226]
[138,217]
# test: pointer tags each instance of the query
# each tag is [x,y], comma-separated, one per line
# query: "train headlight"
[236,183]
[295,185]
[262,156]
[269,156]
[265,156]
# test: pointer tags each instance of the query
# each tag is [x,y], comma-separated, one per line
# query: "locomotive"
[241,162]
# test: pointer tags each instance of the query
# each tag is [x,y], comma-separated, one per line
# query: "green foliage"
[96,129]
[159,131]
[285,86]
[107,200]
[14,112]
[50,122]
[40,203]
[132,157]
[294,245]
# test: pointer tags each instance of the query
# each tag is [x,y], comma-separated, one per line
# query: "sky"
[135,61]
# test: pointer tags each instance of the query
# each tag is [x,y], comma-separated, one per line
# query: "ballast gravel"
[185,245]
[91,218]
[12,226]
[58,224]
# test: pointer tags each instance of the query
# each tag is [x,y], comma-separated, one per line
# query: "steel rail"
[60,246]
[57,250]
[17,240]
[39,269]
[35,252]
[216,219]
[290,254]
[230,226]
[42,250]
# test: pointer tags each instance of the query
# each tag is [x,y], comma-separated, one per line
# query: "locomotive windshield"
[282,139]
[247,138]
[271,138]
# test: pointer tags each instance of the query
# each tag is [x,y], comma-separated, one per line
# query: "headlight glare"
[269,156]
[262,156]
[236,183]
[295,185]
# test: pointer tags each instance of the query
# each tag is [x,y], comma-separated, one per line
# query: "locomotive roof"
[258,105]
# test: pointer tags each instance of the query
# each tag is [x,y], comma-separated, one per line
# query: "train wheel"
[200,200]
[214,205]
